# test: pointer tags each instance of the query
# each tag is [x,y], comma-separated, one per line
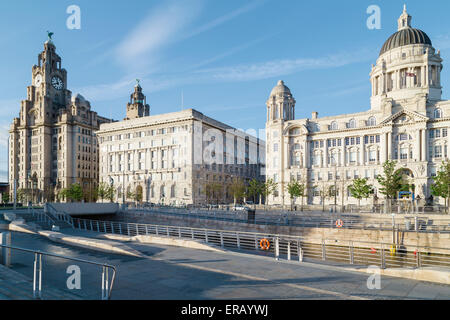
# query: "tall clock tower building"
[53,144]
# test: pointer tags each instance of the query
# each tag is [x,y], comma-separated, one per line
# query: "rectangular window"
[438,151]
[403,153]
[437,134]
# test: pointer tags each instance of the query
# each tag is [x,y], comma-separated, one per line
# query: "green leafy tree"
[237,189]
[441,183]
[360,189]
[73,193]
[5,197]
[106,191]
[255,189]
[391,181]
[294,190]
[269,188]
[213,191]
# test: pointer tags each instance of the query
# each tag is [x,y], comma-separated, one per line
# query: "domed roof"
[405,37]
[79,97]
[280,89]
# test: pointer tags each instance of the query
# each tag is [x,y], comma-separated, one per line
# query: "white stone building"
[407,122]
[172,158]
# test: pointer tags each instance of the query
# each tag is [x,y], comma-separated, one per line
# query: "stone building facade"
[408,122]
[172,158]
[53,144]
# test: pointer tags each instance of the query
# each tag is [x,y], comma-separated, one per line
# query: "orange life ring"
[265,244]
[339,223]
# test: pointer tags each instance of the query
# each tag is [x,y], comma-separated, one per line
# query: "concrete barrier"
[80,209]
[190,244]
[93,244]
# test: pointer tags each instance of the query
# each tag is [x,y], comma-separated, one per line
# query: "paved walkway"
[180,273]
[16,286]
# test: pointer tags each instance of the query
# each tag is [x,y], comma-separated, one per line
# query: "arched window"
[334,125]
[372,122]
[352,124]
[438,114]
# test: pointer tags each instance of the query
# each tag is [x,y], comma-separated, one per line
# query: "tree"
[360,189]
[441,185]
[106,191]
[293,188]
[73,193]
[213,191]
[392,181]
[5,197]
[237,189]
[269,188]
[101,190]
[255,189]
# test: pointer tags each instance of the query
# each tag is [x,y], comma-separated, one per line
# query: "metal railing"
[60,215]
[286,246]
[37,271]
[42,217]
[402,223]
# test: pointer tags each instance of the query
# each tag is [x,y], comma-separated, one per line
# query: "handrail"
[100,222]
[65,216]
[406,223]
[352,251]
[105,295]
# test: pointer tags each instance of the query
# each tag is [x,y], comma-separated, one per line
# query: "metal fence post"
[112,227]
[238,240]
[104,226]
[37,276]
[221,240]
[179,232]
[289,250]
[206,235]
[324,257]
[192,234]
[256,242]
[299,251]
[416,224]
[120,228]
[419,263]
[168,234]
[383,262]
[137,229]
[277,249]
[350,245]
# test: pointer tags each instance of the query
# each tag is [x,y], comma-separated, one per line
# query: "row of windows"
[438,133]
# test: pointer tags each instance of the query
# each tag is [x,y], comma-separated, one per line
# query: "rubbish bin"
[251,216]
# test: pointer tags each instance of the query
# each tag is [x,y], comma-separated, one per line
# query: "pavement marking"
[248,277]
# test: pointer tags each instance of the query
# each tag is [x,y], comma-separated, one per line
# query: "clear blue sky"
[224,55]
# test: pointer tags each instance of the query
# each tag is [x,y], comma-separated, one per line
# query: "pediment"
[404,117]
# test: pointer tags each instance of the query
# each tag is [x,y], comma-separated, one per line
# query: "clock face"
[38,81]
[57,83]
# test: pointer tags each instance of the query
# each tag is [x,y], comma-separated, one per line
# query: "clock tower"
[53,143]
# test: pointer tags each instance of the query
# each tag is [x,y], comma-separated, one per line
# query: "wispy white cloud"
[160,28]
[276,68]
[239,73]
[225,18]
